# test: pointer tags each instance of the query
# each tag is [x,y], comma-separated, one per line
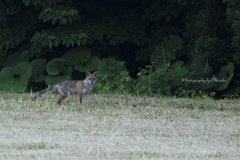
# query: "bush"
[163,82]
[113,77]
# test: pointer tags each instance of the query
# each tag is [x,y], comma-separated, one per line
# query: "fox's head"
[91,77]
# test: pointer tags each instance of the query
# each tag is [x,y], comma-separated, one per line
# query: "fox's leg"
[65,93]
[82,94]
[81,97]
[62,98]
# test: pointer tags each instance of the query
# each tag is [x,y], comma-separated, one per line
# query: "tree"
[55,32]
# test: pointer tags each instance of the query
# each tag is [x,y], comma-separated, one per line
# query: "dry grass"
[118,127]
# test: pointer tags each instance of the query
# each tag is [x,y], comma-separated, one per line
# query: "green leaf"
[77,56]
[207,85]
[70,20]
[78,42]
[14,59]
[107,66]
[15,79]
[72,42]
[41,15]
[50,44]
[224,76]
[57,66]
[64,41]
[38,67]
[55,43]
[51,80]
[171,44]
[157,58]
[91,65]
[165,49]
[175,41]
[83,42]
[54,19]
[198,65]
[63,21]
[177,66]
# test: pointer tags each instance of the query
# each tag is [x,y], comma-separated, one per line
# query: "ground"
[118,127]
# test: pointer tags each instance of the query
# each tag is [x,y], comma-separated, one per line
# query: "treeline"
[147,47]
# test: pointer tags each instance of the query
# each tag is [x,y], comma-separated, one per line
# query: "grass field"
[118,127]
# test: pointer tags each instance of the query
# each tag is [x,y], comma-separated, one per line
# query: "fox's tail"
[50,89]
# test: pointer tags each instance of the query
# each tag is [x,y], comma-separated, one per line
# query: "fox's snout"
[91,81]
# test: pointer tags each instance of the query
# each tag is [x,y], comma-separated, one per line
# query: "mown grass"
[118,127]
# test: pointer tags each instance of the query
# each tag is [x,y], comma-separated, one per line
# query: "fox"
[80,87]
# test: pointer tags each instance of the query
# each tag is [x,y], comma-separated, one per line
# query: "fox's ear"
[87,73]
[95,73]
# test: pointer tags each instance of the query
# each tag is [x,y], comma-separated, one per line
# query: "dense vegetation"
[143,47]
